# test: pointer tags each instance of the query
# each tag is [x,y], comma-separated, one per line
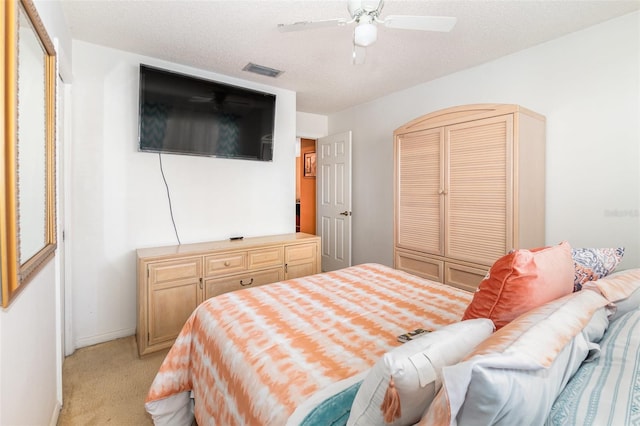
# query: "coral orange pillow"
[521,281]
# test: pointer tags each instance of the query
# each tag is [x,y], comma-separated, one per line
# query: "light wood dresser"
[469,187]
[174,280]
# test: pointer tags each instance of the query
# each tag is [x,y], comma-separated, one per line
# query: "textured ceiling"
[223,36]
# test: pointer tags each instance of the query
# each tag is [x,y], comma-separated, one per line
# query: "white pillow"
[516,374]
[621,288]
[415,368]
[626,305]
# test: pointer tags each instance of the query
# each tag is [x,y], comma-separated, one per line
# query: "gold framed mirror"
[27,169]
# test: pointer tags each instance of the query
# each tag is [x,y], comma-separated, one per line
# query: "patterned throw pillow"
[594,263]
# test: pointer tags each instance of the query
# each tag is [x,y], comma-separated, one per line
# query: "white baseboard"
[55,414]
[106,337]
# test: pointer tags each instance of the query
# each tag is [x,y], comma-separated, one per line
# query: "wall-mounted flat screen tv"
[181,114]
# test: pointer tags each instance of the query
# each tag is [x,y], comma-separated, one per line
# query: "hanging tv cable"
[168,197]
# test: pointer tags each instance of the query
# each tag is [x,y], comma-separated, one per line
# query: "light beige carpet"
[106,384]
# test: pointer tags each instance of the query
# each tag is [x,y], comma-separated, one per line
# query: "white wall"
[28,392]
[311,126]
[119,201]
[30,349]
[587,84]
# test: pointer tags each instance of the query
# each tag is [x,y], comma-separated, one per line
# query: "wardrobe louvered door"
[420,178]
[478,202]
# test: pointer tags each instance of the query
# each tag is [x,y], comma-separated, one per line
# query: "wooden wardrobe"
[469,187]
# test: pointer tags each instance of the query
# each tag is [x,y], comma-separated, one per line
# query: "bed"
[271,355]
[323,349]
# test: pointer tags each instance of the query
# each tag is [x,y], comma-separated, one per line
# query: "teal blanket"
[333,411]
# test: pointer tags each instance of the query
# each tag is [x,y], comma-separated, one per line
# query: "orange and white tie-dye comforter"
[266,355]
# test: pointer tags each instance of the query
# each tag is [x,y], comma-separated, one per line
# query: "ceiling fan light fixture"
[365,34]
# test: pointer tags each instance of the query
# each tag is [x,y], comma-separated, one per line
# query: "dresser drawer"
[300,253]
[225,263]
[262,258]
[216,286]
[174,271]
[463,276]
[425,267]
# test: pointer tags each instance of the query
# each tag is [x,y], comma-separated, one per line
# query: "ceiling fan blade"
[359,54]
[310,25]
[424,23]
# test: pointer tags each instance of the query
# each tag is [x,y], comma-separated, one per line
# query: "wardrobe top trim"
[457,114]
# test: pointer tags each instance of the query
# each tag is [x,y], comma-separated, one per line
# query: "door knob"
[346,213]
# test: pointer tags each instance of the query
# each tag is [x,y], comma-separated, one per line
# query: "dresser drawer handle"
[242,283]
[227,263]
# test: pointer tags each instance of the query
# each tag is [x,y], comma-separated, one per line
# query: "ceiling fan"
[366,15]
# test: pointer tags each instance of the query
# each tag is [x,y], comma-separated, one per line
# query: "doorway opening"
[306,187]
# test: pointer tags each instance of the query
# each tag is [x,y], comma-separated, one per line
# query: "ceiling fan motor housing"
[358,8]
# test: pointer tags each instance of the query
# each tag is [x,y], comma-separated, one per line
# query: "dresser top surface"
[223,245]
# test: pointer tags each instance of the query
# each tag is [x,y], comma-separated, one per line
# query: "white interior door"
[333,200]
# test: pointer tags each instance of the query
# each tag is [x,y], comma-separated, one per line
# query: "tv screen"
[181,114]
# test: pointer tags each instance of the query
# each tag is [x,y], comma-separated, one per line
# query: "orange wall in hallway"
[307,191]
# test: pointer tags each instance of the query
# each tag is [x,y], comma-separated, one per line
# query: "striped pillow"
[606,391]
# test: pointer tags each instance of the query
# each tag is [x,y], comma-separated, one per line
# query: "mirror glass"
[27,178]
[31,140]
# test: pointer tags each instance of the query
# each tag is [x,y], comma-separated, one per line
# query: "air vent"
[262,70]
